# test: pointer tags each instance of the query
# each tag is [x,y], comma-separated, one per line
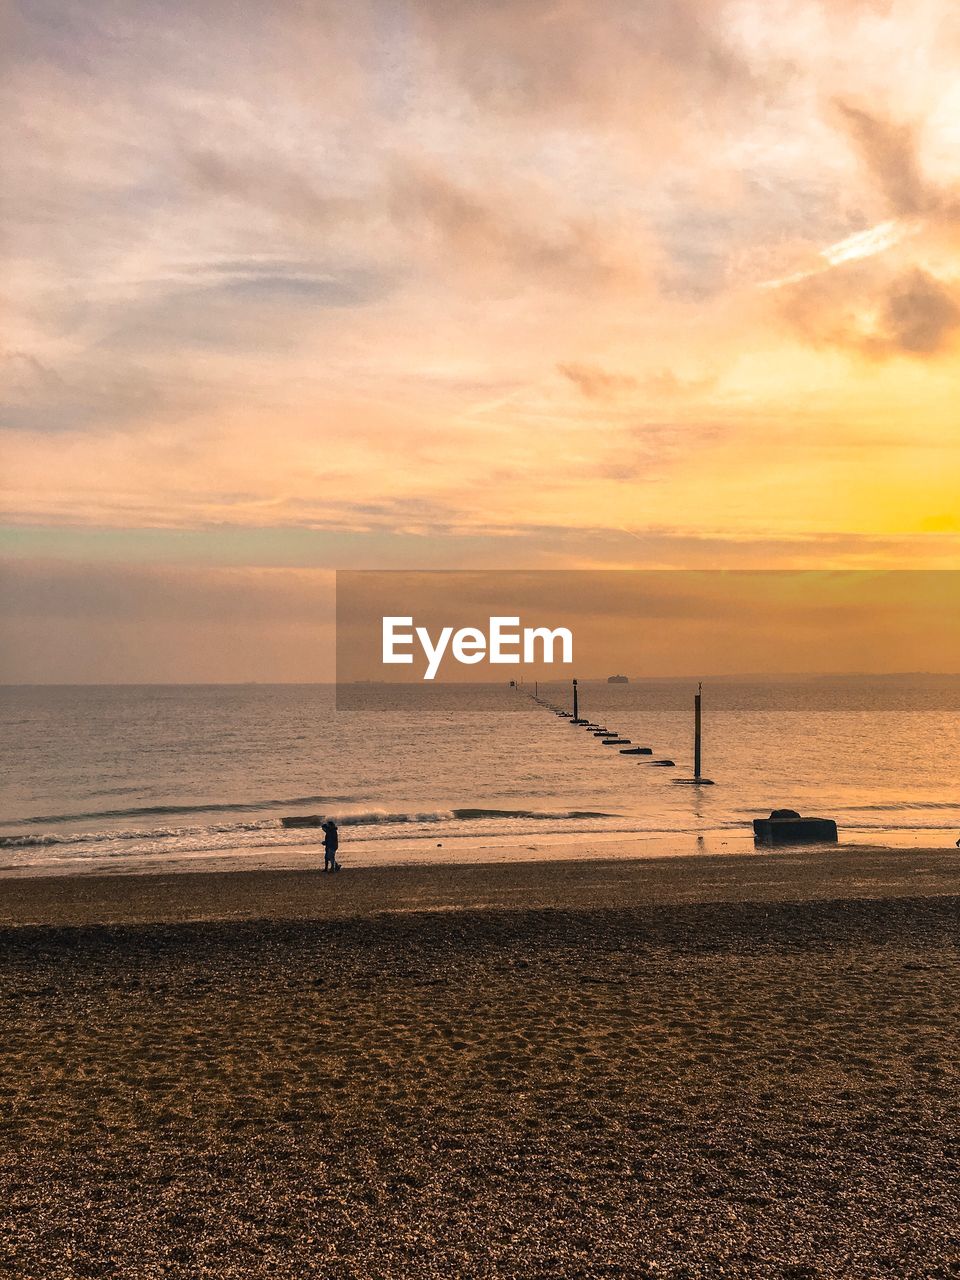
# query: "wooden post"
[576,705]
[698,780]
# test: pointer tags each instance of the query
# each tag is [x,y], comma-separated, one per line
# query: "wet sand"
[688,1068]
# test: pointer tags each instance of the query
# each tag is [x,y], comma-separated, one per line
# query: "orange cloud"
[486,271]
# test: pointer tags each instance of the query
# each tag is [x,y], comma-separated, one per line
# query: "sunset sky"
[432,283]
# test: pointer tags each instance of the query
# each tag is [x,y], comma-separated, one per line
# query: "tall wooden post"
[698,780]
[576,704]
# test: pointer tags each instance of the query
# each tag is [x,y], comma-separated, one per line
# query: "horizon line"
[450,684]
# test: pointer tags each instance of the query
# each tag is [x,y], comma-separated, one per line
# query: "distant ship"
[618,680]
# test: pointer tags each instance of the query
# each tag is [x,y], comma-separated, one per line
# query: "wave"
[897,805]
[274,834]
[171,810]
[553,815]
[103,837]
[375,817]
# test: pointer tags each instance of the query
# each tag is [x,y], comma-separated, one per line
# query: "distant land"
[757,677]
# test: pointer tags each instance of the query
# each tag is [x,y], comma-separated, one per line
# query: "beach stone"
[661,1079]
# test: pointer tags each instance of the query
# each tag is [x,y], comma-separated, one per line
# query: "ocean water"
[125,778]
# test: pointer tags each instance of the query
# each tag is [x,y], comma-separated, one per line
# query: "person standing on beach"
[331,843]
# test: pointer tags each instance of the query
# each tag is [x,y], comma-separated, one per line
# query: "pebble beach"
[697,1067]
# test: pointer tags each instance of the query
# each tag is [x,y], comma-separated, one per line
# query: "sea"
[175,778]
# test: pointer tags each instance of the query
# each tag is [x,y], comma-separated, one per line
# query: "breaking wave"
[171,810]
[375,817]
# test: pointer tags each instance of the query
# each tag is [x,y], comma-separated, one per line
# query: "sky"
[643,622]
[430,284]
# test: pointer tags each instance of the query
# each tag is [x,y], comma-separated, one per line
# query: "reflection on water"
[116,775]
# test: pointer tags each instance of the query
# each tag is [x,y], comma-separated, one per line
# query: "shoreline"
[799,874]
[444,848]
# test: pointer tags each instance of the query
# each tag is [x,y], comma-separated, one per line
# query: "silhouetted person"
[331,843]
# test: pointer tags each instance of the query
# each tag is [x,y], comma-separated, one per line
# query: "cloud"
[600,384]
[596,383]
[574,62]
[647,452]
[268,182]
[905,313]
[920,316]
[892,154]
[853,248]
[665,382]
[486,230]
[36,397]
[882,310]
[257,310]
[443,216]
[889,151]
[421,272]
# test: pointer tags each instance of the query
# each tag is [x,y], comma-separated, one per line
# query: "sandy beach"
[740,1066]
